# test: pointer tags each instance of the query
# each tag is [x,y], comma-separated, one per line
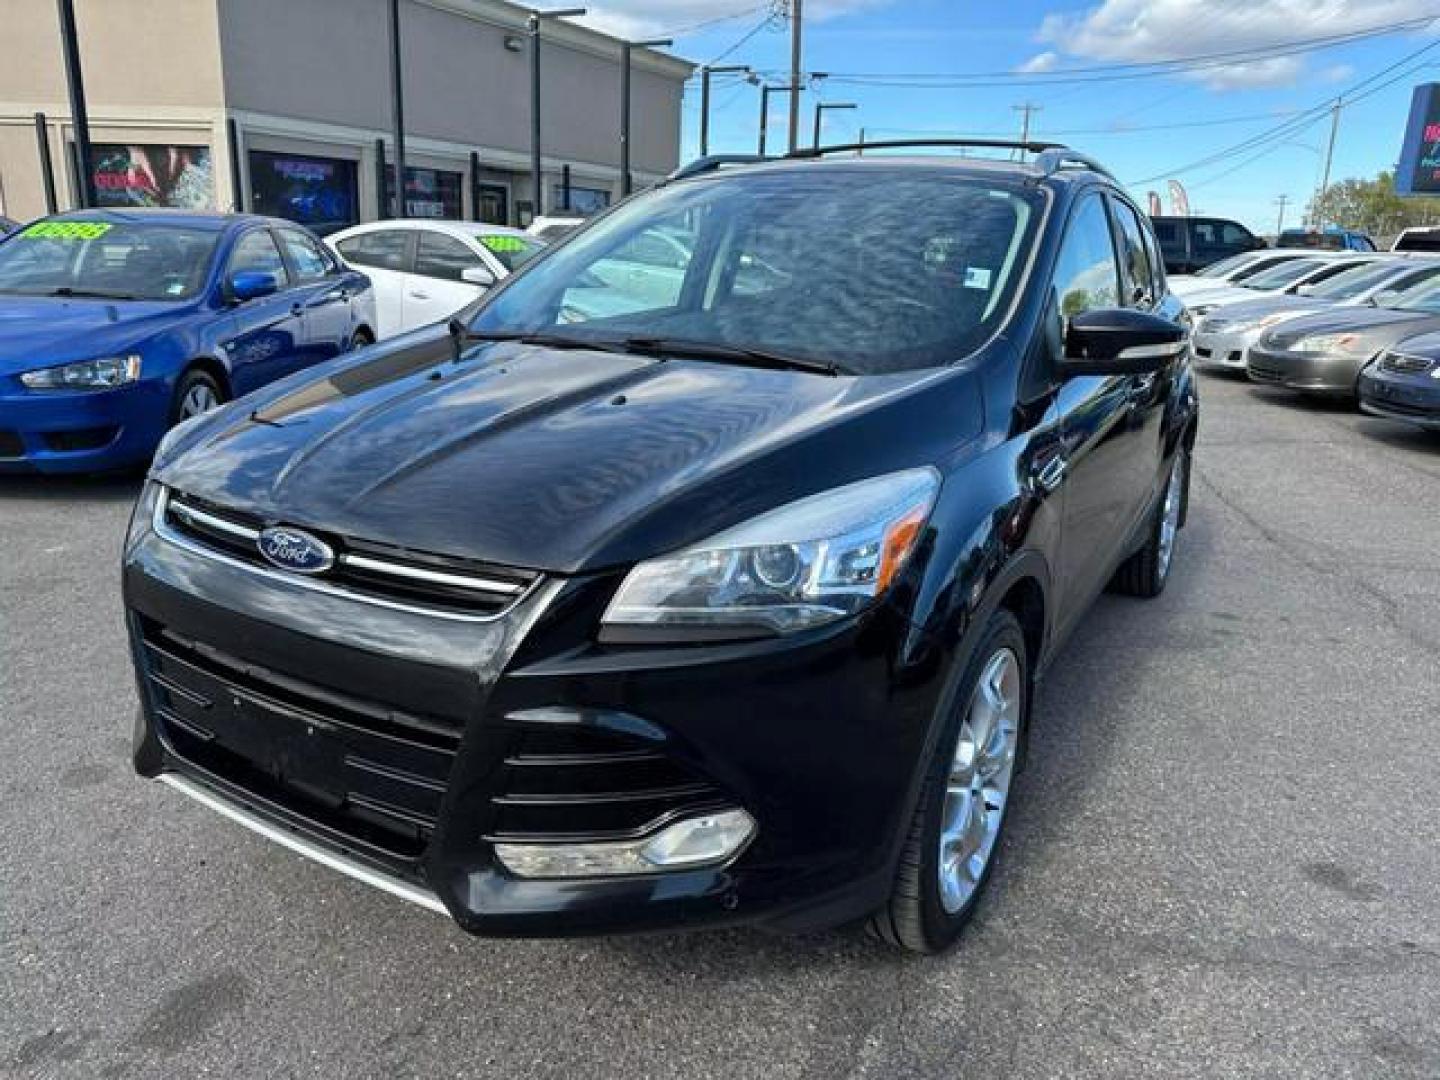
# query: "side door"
[437,288]
[1093,414]
[1143,288]
[385,256]
[324,293]
[269,331]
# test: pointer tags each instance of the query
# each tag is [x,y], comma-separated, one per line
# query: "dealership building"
[284,107]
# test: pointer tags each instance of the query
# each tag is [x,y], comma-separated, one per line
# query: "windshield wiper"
[536,337]
[726,354]
[89,294]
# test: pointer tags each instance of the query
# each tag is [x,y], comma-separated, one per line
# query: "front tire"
[197,392]
[1145,573]
[964,802]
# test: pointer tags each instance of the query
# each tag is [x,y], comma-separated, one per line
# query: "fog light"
[709,840]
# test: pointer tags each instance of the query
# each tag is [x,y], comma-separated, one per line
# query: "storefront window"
[318,192]
[583,200]
[429,193]
[179,176]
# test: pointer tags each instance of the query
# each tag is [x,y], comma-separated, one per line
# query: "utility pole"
[532,25]
[1025,110]
[796,19]
[627,183]
[1280,221]
[79,117]
[397,109]
[1329,157]
[705,74]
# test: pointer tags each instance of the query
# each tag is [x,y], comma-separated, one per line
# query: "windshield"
[1287,273]
[110,260]
[870,271]
[1422,297]
[510,249]
[1224,266]
[1353,281]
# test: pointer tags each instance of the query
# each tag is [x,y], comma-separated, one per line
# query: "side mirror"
[477,275]
[252,284]
[1384,297]
[1120,341]
[1304,290]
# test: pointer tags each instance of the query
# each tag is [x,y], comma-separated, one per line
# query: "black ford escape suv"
[697,589]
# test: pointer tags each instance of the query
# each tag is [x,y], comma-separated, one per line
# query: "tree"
[1371,206]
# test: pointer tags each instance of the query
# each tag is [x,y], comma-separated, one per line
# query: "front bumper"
[1225,348]
[67,431]
[402,746]
[1414,399]
[1316,373]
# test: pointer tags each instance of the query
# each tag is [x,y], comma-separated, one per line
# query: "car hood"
[558,460]
[41,331]
[1381,325]
[1259,307]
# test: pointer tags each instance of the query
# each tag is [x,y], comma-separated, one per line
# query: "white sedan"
[425,270]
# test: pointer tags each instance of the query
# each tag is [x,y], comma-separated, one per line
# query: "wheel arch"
[212,367]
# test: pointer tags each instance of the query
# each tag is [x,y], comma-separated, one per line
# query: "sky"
[899,61]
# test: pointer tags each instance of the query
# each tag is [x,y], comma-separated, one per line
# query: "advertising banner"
[318,192]
[1419,172]
[177,176]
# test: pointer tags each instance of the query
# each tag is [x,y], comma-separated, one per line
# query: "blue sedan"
[116,325]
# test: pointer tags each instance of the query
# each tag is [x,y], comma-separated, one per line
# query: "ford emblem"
[295,550]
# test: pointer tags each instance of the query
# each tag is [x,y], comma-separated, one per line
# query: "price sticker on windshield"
[503,243]
[67,230]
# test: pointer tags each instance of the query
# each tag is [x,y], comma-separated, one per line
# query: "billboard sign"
[1419,172]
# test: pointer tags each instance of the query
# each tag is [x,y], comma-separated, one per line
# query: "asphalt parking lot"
[1225,859]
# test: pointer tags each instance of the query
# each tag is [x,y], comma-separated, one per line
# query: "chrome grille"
[1406,363]
[366,569]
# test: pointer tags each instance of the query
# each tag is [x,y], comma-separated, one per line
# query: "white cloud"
[1045,61]
[1145,31]
[647,18]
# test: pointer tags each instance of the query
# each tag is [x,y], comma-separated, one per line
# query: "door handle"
[1052,473]
[419,296]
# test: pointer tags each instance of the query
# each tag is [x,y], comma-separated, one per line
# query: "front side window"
[873,270]
[109,260]
[388,249]
[256,253]
[441,256]
[1235,234]
[1086,275]
[305,255]
[1139,277]
[1424,297]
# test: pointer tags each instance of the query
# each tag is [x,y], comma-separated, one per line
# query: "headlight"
[803,565]
[1327,343]
[103,374]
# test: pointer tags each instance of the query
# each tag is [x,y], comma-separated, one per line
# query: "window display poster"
[177,176]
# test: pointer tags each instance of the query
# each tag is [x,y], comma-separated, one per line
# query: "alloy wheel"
[198,399]
[979,782]
[1170,513]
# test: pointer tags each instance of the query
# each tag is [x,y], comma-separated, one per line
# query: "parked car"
[727,610]
[1420,238]
[1229,271]
[1325,352]
[552,227]
[1224,336]
[1193,243]
[117,324]
[1286,278]
[424,270]
[1325,240]
[1404,383]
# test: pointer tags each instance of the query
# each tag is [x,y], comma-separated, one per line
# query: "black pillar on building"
[47,167]
[237,183]
[474,186]
[565,187]
[382,204]
[79,117]
[397,107]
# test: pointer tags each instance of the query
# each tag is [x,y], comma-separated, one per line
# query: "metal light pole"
[626,180]
[765,92]
[397,109]
[79,117]
[533,25]
[705,74]
[820,107]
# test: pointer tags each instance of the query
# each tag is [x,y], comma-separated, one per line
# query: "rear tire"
[362,338]
[197,392]
[960,817]
[1145,573]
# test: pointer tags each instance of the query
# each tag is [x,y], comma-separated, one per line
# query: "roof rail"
[713,163]
[1056,158]
[903,144]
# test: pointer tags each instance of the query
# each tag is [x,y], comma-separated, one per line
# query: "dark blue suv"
[117,324]
[723,603]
